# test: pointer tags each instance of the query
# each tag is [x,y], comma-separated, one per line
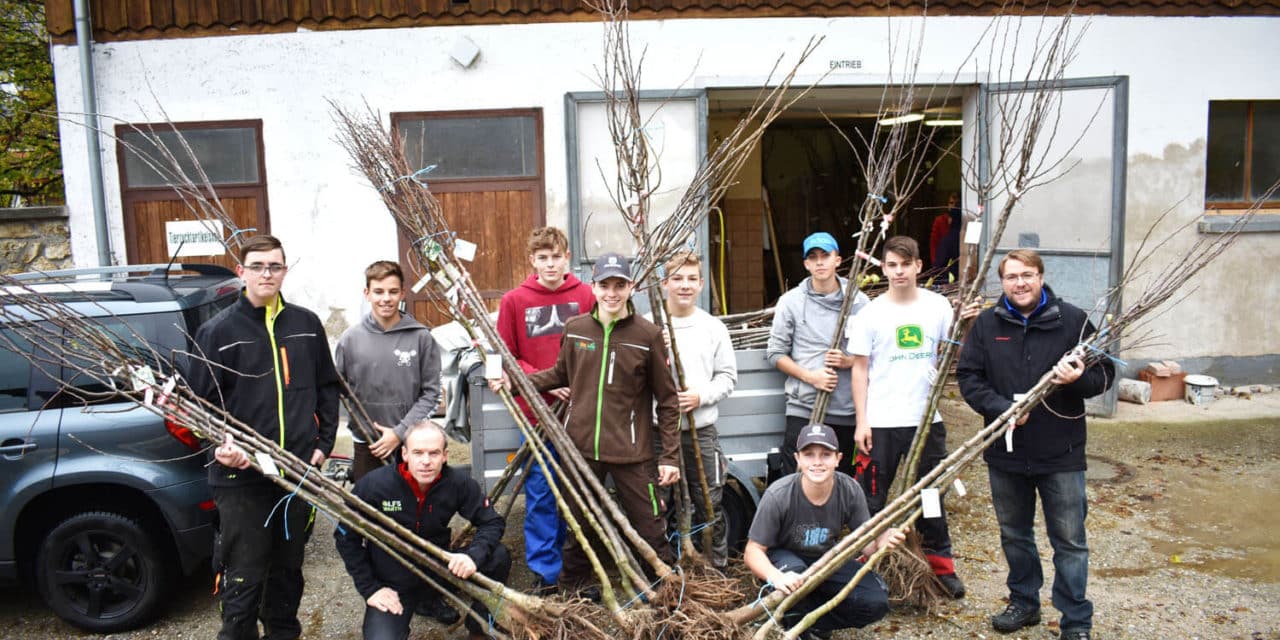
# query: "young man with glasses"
[1011,345]
[267,364]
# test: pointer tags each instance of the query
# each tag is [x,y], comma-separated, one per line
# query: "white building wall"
[333,224]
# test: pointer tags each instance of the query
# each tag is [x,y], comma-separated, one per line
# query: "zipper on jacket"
[270,321]
[613,357]
[600,390]
[633,426]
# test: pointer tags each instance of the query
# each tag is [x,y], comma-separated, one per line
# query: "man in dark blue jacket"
[423,493]
[268,365]
[1029,332]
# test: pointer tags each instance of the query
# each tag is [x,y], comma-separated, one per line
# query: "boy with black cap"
[800,518]
[804,324]
[615,363]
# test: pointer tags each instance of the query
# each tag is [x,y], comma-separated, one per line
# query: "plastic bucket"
[1201,389]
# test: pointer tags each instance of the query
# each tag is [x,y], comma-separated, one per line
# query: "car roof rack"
[111,272]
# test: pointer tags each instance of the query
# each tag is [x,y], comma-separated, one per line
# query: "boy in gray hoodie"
[804,324]
[392,364]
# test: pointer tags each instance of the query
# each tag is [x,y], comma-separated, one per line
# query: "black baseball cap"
[611,265]
[818,434]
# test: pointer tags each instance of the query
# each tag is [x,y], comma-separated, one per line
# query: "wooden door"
[498,222]
[493,205]
[145,221]
[226,156]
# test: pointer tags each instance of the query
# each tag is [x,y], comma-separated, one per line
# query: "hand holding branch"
[461,565]
[668,475]
[229,454]
[1068,370]
[823,379]
[386,444]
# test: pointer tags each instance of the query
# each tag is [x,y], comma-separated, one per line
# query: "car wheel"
[101,572]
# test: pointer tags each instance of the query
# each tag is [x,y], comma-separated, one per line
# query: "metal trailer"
[750,427]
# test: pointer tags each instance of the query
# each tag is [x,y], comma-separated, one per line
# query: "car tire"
[101,571]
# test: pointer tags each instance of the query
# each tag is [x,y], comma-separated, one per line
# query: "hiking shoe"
[436,609]
[1074,634]
[1014,618]
[952,584]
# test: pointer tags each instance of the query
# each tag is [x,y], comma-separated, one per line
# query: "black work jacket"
[281,382]
[1004,355]
[390,490]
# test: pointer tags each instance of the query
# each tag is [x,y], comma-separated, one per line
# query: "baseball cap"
[611,265]
[818,434]
[821,240]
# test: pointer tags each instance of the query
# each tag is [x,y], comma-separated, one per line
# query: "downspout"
[84,42]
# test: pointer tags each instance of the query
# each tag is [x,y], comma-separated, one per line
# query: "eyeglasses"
[257,268]
[1014,278]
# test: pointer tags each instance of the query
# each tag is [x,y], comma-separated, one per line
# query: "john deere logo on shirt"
[391,506]
[910,336]
[585,345]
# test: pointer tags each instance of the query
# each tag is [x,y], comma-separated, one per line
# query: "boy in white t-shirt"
[894,342]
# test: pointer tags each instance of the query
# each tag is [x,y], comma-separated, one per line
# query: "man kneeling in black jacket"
[422,494]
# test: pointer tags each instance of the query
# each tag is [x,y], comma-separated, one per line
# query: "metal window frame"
[572,100]
[1119,86]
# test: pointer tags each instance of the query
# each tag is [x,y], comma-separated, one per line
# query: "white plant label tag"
[959,487]
[931,503]
[464,250]
[1008,434]
[148,397]
[973,233]
[142,377]
[417,286]
[493,366]
[268,465]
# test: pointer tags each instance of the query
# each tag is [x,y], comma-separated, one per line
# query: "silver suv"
[102,504]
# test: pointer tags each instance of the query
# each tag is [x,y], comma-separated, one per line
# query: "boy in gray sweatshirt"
[804,324]
[392,364]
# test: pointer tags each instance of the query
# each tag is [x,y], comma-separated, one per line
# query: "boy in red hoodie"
[531,318]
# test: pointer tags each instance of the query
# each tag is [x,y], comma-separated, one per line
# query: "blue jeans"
[1062,496]
[866,604]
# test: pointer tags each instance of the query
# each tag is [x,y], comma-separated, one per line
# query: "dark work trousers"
[844,435]
[363,461]
[889,449]
[636,489]
[866,604]
[262,575]
[380,625]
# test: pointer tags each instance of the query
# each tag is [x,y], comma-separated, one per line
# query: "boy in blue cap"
[804,324]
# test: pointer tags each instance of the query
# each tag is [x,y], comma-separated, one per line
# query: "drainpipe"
[84,42]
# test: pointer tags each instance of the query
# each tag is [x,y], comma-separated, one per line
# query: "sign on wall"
[193,238]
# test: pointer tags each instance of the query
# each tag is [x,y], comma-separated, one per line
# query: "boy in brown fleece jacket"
[615,362]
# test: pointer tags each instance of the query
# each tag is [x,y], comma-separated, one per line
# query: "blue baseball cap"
[821,240]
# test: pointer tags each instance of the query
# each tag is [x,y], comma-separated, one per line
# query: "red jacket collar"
[420,494]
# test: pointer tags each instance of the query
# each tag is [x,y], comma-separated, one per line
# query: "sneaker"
[952,584]
[436,609]
[1074,634]
[1014,618]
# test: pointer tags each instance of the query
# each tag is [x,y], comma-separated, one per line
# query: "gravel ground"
[1182,532]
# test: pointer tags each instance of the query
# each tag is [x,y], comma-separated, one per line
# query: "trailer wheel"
[738,512]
